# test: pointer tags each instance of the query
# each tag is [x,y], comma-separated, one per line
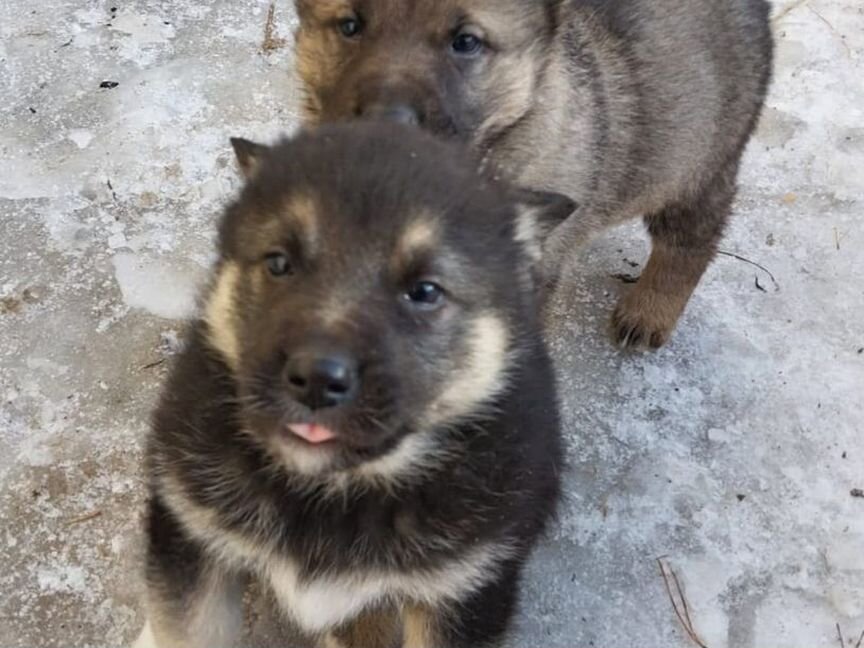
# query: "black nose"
[321,380]
[396,112]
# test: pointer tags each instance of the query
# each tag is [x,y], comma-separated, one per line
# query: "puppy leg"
[191,602]
[685,239]
[372,629]
[421,628]
[479,622]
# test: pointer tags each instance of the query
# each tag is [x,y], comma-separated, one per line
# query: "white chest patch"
[326,603]
[322,604]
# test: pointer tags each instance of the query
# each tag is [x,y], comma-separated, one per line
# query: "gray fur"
[633,108]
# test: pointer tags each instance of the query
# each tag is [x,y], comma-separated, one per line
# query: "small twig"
[833,30]
[837,238]
[788,10]
[683,613]
[755,265]
[271,42]
[840,637]
[153,364]
[683,600]
[860,640]
[758,285]
[671,596]
[84,518]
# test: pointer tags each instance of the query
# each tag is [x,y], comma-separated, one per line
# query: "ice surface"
[732,452]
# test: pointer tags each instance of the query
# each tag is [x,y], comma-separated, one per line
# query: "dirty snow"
[732,453]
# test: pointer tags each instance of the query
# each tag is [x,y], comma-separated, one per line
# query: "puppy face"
[371,291]
[465,68]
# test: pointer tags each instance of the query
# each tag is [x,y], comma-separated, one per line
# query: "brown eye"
[350,27]
[278,264]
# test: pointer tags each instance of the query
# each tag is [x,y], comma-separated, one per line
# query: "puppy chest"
[322,603]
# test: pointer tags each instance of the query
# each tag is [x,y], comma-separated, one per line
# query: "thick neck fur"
[487,475]
[637,123]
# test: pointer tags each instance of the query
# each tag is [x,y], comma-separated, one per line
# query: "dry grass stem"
[679,602]
[84,518]
[271,41]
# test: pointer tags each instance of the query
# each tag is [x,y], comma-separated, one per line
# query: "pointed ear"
[537,214]
[303,8]
[249,155]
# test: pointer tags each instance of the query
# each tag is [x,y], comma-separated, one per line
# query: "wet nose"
[321,380]
[400,113]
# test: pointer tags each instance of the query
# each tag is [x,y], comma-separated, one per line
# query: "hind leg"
[684,241]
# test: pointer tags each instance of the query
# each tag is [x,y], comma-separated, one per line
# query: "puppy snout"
[321,379]
[401,113]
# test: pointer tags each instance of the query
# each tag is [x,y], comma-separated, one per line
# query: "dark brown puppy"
[365,418]
[632,107]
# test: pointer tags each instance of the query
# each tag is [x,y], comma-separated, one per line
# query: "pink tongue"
[313,433]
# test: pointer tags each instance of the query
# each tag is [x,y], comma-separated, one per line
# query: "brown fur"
[373,629]
[664,288]
[420,628]
[415,625]
[633,108]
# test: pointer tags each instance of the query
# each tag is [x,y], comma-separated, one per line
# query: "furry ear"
[537,214]
[303,7]
[249,155]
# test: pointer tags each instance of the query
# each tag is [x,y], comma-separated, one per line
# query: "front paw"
[644,319]
[146,638]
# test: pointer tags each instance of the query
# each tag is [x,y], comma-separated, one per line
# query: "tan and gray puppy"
[365,417]
[632,107]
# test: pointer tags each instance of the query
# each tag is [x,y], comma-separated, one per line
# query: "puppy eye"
[350,27]
[466,44]
[425,294]
[278,264]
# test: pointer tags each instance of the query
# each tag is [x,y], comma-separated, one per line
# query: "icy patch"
[62,580]
[82,138]
[67,232]
[33,452]
[808,134]
[144,34]
[155,286]
[144,28]
[89,17]
[117,241]
[47,366]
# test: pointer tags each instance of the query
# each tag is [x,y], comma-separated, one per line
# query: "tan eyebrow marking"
[418,238]
[302,210]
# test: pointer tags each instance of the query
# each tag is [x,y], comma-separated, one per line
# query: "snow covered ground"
[733,453]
